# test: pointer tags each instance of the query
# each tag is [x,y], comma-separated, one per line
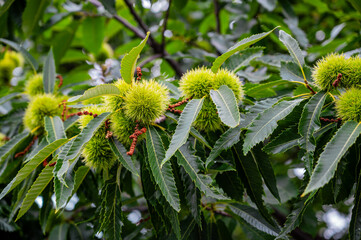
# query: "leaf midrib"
[224,103]
[160,171]
[271,120]
[311,122]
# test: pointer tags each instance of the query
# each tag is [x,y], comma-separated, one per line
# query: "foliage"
[179,119]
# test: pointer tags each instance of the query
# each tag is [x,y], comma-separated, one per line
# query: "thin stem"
[165,21]
[216,13]
[157,49]
[149,59]
[142,25]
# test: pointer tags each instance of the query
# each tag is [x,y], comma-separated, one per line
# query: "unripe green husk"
[39,107]
[116,102]
[197,83]
[2,139]
[34,85]
[97,152]
[10,61]
[228,78]
[146,101]
[328,68]
[208,119]
[122,128]
[348,106]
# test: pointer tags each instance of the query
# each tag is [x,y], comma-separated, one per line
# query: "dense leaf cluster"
[124,155]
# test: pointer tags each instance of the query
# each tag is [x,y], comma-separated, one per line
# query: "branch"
[157,49]
[143,26]
[135,30]
[165,21]
[297,233]
[148,60]
[216,13]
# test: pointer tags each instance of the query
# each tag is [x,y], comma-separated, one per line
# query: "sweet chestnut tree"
[168,146]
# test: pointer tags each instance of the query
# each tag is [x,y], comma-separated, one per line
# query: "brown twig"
[330,120]
[310,88]
[143,220]
[19,154]
[82,113]
[135,136]
[337,81]
[165,21]
[60,80]
[172,107]
[216,13]
[109,134]
[149,59]
[139,74]
[64,113]
[157,48]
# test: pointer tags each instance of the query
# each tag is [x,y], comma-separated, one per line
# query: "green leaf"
[226,105]
[5,226]
[5,6]
[225,141]
[77,145]
[93,33]
[109,5]
[129,61]
[70,122]
[326,166]
[295,217]
[283,142]
[266,123]
[80,175]
[36,189]
[120,151]
[181,134]
[293,49]
[355,224]
[193,131]
[356,4]
[162,176]
[231,184]
[62,41]
[251,179]
[21,193]
[264,90]
[85,135]
[239,61]
[253,218]
[309,123]
[11,145]
[244,43]
[192,165]
[54,128]
[111,212]
[62,164]
[33,13]
[266,170]
[59,232]
[192,196]
[28,57]
[290,71]
[64,189]
[49,73]
[32,164]
[100,90]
